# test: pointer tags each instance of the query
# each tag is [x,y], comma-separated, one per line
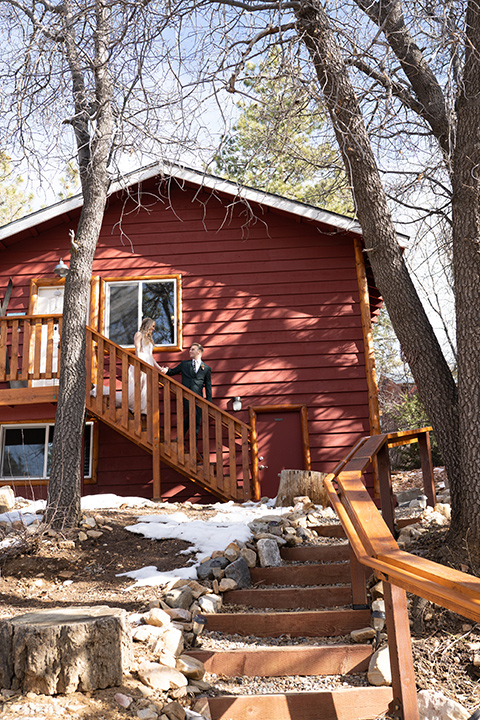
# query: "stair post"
[404,705]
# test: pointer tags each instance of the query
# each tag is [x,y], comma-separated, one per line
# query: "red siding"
[276,306]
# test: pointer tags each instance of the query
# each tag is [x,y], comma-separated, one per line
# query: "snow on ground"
[230,523]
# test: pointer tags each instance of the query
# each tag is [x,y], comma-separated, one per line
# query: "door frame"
[255,410]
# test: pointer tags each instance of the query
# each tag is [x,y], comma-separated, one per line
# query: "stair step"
[283,661]
[321,623]
[316,553]
[333,531]
[290,598]
[362,703]
[315,574]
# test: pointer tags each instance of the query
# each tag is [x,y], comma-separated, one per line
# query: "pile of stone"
[229,569]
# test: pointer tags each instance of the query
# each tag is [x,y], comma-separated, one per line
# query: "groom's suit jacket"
[195,381]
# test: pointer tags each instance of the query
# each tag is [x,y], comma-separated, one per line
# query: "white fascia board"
[183,174]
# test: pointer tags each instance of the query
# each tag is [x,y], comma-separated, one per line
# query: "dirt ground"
[60,571]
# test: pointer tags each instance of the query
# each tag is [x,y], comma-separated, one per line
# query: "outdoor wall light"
[237,403]
[198,626]
[61,269]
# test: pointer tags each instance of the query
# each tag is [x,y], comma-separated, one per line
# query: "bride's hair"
[147,323]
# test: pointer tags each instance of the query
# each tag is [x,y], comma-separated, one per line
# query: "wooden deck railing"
[29,348]
[153,418]
[374,546]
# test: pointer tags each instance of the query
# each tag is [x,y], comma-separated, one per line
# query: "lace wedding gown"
[145,354]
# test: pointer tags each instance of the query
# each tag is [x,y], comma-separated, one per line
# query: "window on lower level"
[27,450]
[128,302]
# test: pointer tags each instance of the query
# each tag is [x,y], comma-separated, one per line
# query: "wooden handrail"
[133,393]
[375,547]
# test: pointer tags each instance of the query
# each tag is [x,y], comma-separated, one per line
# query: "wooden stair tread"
[282,661]
[315,574]
[316,553]
[362,703]
[289,598]
[320,623]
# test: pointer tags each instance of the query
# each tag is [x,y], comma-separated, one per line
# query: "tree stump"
[294,483]
[65,649]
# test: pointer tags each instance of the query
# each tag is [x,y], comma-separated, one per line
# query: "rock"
[239,571]
[179,598]
[210,603]
[63,649]
[269,536]
[172,641]
[268,553]
[147,714]
[7,499]
[192,668]
[205,570]
[147,633]
[379,670]
[377,590]
[227,584]
[202,708]
[157,617]
[167,658]
[434,705]
[444,509]
[123,700]
[94,534]
[179,614]
[232,552]
[174,711]
[250,557]
[363,635]
[197,589]
[82,536]
[160,677]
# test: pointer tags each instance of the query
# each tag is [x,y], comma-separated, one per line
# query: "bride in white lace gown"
[143,350]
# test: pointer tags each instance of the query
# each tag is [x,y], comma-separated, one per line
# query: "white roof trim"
[196,177]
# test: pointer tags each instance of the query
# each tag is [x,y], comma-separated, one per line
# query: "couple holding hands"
[196,375]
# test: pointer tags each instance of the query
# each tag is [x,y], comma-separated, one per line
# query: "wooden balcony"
[150,409]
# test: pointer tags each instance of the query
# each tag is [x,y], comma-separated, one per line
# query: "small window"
[127,302]
[27,450]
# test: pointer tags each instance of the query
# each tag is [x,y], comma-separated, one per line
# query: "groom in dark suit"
[196,375]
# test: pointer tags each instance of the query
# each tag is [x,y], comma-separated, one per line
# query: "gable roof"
[201,179]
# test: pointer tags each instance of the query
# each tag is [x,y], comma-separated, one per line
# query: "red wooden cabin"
[276,291]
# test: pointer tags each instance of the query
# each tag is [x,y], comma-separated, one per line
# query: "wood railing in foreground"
[156,412]
[374,546]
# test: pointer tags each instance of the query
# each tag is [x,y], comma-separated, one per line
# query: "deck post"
[405,705]
[386,492]
[155,408]
[427,467]
[357,579]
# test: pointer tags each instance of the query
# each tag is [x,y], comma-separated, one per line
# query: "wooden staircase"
[310,596]
[134,399]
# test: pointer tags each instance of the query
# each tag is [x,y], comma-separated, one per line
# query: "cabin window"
[127,302]
[27,451]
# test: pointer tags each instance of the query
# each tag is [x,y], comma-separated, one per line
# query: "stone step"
[284,661]
[314,574]
[362,703]
[308,598]
[320,623]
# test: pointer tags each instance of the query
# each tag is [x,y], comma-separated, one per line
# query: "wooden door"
[282,441]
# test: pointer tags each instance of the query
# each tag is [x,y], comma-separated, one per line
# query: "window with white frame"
[27,451]
[128,302]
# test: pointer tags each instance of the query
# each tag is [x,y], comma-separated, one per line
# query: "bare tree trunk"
[421,349]
[466,267]
[93,129]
